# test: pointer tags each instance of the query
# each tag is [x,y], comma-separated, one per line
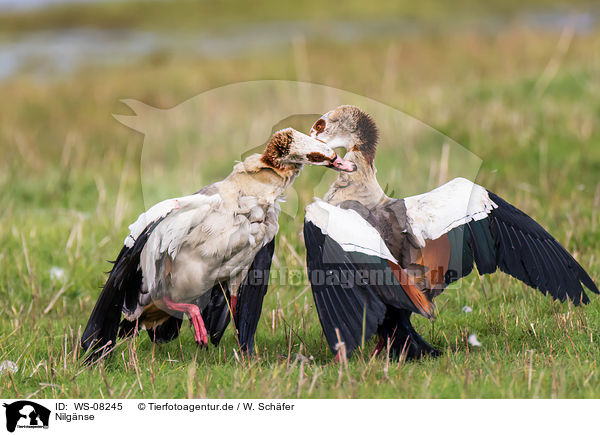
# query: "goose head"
[348,127]
[290,148]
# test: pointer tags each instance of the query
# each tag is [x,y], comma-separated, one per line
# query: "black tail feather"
[216,315]
[166,331]
[127,328]
[163,333]
[404,340]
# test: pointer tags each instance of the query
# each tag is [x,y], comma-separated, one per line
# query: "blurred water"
[49,52]
[62,51]
[552,20]
[13,5]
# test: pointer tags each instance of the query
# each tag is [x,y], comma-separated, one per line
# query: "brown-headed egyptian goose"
[374,260]
[204,253]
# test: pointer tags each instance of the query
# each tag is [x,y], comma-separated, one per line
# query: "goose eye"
[319,126]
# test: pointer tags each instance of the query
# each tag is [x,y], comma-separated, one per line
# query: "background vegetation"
[516,83]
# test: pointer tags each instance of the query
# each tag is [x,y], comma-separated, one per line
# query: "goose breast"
[218,245]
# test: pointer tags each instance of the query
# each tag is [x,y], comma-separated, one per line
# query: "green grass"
[70,183]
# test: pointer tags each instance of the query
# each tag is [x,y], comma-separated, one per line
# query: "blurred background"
[504,79]
[515,83]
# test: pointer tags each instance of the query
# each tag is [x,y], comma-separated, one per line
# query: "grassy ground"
[527,102]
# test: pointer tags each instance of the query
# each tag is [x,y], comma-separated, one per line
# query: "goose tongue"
[342,165]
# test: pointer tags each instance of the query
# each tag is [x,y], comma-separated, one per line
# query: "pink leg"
[233,305]
[193,312]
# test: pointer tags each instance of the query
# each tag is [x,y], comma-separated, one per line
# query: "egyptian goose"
[373,260]
[205,253]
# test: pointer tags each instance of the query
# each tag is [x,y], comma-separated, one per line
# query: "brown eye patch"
[319,126]
[316,157]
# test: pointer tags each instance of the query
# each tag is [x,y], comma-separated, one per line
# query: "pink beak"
[342,165]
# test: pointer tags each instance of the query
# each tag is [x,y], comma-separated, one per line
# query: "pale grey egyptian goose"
[201,253]
[374,260]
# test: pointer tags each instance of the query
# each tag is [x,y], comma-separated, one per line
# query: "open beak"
[340,164]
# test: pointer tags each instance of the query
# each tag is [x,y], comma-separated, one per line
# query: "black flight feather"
[343,302]
[529,253]
[124,283]
[250,296]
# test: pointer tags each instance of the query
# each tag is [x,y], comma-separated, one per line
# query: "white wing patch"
[168,237]
[432,214]
[159,211]
[348,228]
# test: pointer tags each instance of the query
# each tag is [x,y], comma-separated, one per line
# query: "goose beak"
[340,164]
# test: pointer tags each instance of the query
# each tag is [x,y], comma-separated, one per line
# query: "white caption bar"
[299,416]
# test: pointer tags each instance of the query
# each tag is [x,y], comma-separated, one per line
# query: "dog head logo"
[26,414]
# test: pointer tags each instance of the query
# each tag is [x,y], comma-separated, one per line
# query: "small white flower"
[473,340]
[467,309]
[57,273]
[8,366]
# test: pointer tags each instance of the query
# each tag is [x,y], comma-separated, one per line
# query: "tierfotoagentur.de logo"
[25,414]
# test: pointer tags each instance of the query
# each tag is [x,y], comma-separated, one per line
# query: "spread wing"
[251,294]
[122,290]
[460,224]
[353,275]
